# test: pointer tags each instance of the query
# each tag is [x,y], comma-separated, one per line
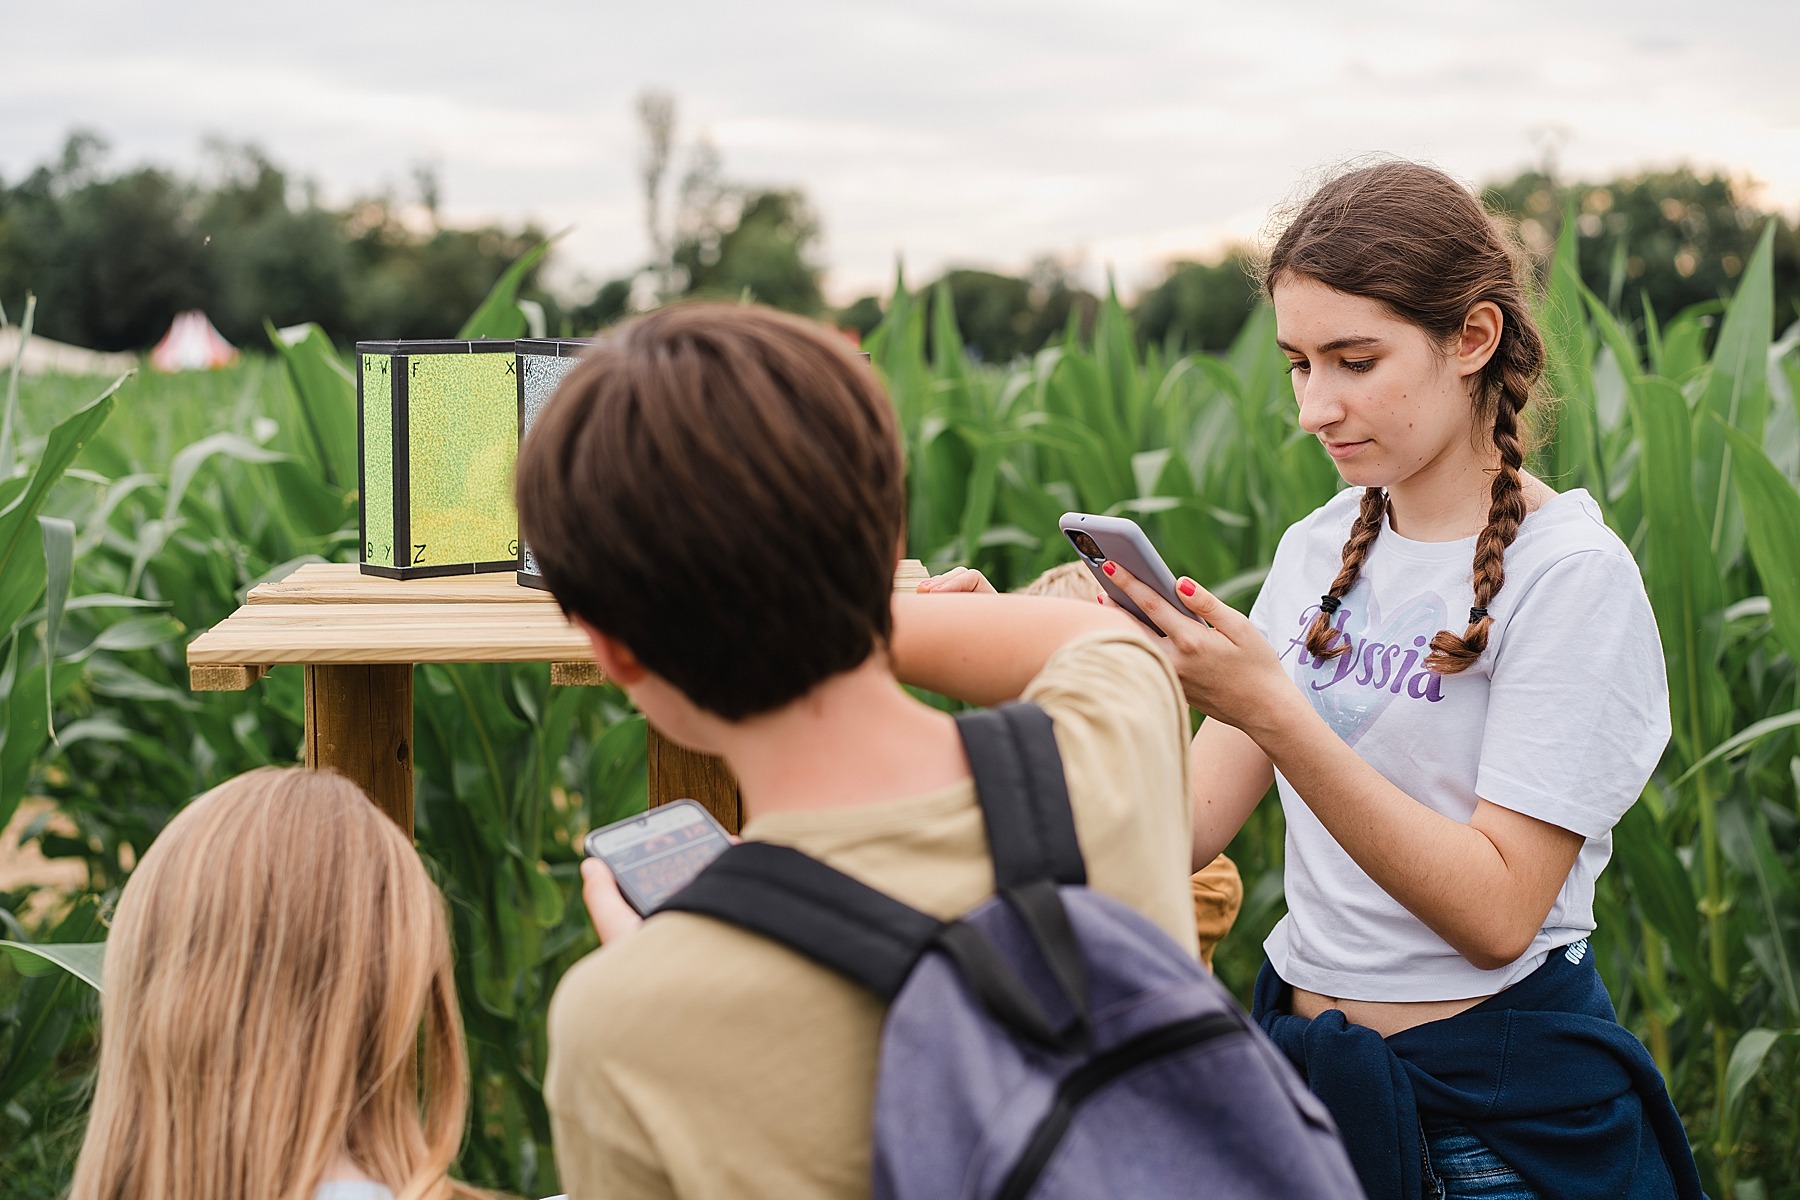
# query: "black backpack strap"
[868,937]
[813,909]
[1024,799]
[1031,833]
[875,940]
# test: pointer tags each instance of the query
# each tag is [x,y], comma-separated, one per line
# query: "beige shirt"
[696,1060]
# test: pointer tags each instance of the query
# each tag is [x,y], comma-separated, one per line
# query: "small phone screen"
[656,855]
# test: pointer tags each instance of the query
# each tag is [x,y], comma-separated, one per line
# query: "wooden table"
[358,637]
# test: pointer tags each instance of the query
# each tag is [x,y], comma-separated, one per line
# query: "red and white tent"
[192,344]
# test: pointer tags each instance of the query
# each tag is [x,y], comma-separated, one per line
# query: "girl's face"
[1386,403]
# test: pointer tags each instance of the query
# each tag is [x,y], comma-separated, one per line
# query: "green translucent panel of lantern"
[462,414]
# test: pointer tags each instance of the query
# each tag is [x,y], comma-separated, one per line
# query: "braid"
[1518,366]
[1321,638]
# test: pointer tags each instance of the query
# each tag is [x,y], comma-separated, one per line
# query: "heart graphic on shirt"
[1384,661]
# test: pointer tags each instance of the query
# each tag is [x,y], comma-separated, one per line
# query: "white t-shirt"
[1562,718]
[352,1189]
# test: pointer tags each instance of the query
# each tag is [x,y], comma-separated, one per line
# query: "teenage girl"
[1452,675]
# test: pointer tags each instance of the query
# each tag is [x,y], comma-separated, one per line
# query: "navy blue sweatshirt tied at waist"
[1542,1073]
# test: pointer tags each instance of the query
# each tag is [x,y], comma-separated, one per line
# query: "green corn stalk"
[207,483]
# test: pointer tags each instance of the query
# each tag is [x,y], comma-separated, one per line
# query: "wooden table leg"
[359,722]
[676,772]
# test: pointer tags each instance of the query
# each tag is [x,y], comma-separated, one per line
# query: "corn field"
[130,523]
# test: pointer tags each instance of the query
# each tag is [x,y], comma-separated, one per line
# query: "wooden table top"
[331,613]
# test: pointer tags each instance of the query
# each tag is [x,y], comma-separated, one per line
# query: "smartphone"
[657,853]
[1119,539]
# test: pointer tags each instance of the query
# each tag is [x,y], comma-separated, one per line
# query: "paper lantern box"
[542,364]
[438,434]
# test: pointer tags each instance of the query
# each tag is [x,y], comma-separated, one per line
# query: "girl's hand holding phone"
[1227,669]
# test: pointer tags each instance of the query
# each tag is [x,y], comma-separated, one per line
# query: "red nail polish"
[1108,568]
[1185,587]
[1101,600]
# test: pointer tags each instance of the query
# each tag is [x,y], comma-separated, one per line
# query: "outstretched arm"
[1484,887]
[984,649]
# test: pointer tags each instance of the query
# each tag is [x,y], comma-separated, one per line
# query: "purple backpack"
[1053,1043]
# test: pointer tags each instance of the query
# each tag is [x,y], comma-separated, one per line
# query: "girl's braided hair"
[1414,239]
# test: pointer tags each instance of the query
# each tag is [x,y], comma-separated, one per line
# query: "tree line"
[113,254]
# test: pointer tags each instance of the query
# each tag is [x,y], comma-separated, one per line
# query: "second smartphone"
[657,853]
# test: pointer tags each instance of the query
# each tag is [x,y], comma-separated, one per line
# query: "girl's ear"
[1480,338]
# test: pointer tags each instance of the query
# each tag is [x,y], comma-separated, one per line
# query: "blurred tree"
[1198,306]
[754,243]
[407,285]
[993,313]
[1003,317]
[1674,238]
[1056,298]
[860,316]
[114,256]
[656,119]
[611,302]
[266,258]
[111,259]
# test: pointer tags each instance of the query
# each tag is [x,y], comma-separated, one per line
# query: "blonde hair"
[1067,581]
[278,993]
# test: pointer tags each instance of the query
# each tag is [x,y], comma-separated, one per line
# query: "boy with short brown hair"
[715,496]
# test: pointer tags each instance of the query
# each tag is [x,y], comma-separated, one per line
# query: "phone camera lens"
[1086,545]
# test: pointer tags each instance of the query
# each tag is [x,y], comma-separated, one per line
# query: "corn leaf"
[1680,572]
[10,414]
[83,960]
[1771,509]
[21,553]
[1572,451]
[499,315]
[59,563]
[1736,397]
[325,392]
[1747,1059]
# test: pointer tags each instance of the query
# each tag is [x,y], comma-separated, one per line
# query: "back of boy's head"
[720,488]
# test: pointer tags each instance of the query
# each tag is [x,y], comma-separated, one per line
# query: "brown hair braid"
[1321,637]
[1412,238]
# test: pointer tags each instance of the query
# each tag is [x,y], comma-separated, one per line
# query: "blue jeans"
[1460,1167]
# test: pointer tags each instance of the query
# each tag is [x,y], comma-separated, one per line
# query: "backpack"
[1053,1043]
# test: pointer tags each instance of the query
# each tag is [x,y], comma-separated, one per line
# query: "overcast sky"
[947,132]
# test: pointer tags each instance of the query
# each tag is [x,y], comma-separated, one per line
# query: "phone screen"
[655,855]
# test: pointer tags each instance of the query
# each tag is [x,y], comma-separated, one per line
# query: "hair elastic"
[1329,604]
[1475,614]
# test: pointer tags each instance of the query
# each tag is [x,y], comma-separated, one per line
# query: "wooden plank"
[676,772]
[387,633]
[342,583]
[359,724]
[222,678]
[910,575]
